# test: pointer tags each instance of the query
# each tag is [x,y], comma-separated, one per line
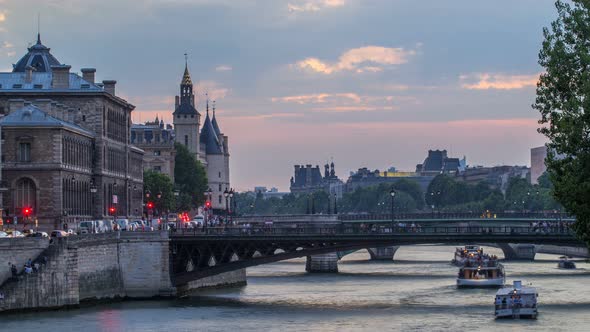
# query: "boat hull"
[517,313]
[480,283]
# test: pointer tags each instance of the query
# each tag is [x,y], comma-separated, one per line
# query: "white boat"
[516,302]
[489,275]
[564,263]
[463,254]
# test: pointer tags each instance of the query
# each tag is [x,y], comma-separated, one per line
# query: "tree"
[563,99]
[190,178]
[155,183]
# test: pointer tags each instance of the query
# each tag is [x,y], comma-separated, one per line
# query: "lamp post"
[208,206]
[335,204]
[392,194]
[226,195]
[231,201]
[115,202]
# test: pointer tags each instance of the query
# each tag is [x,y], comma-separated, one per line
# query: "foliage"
[563,100]
[155,183]
[190,178]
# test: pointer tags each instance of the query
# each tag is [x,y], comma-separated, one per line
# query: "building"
[366,178]
[209,145]
[437,162]
[157,141]
[538,166]
[266,194]
[308,179]
[66,152]
[497,176]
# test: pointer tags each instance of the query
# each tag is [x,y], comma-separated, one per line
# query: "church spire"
[186,78]
[207,96]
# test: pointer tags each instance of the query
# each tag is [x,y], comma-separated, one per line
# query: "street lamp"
[231,202]
[226,195]
[392,194]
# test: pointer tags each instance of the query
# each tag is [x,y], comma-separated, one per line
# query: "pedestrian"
[14,271]
[29,263]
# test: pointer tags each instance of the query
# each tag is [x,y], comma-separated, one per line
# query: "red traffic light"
[150,205]
[112,210]
[208,204]
[27,211]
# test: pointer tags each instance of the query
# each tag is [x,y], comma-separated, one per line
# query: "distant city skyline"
[368,83]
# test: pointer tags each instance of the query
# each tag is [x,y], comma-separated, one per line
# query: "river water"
[417,292]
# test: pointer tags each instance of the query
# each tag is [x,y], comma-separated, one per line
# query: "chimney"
[61,76]
[29,74]
[176,102]
[15,104]
[88,74]
[44,105]
[109,86]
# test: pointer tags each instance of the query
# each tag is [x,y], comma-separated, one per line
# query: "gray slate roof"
[32,116]
[215,125]
[38,57]
[209,138]
[42,82]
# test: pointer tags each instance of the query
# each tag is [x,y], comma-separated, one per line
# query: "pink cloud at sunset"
[353,59]
[487,81]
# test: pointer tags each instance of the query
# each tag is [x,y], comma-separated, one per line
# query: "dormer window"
[38,86]
[17,86]
[85,86]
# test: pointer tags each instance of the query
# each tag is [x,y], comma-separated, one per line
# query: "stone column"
[326,263]
[382,253]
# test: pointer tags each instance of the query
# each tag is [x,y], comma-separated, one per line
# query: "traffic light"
[208,204]
[27,211]
[112,210]
[150,205]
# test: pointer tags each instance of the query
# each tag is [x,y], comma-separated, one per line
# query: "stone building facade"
[157,141]
[308,179]
[66,150]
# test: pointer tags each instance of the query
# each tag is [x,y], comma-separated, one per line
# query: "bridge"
[200,253]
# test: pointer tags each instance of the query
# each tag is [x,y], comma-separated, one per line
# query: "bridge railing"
[377,230]
[457,215]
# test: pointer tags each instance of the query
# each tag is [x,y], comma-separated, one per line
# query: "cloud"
[313,5]
[345,102]
[2,16]
[487,81]
[212,88]
[372,57]
[317,98]
[223,68]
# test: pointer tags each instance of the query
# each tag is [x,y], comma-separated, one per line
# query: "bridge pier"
[512,251]
[326,263]
[382,253]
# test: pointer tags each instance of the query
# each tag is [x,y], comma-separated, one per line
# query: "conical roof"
[209,138]
[38,57]
[186,78]
[215,125]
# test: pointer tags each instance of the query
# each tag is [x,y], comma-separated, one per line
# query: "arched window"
[26,194]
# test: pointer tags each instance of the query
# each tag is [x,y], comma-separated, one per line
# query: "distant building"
[157,141]
[367,178]
[266,194]
[437,162]
[497,177]
[538,166]
[308,179]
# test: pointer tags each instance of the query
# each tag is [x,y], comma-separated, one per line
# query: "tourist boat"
[490,274]
[462,254]
[516,302]
[564,263]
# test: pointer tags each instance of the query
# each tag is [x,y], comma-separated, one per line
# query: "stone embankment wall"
[17,251]
[93,267]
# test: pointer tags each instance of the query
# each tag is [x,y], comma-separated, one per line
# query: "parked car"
[14,233]
[3,234]
[155,223]
[38,234]
[199,219]
[58,233]
[87,227]
[172,217]
[123,224]
[105,225]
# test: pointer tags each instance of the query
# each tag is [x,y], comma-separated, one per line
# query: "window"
[17,86]
[219,199]
[26,194]
[158,168]
[24,150]
[37,86]
[157,153]
[185,140]
[220,177]
[84,118]
[220,187]
[192,115]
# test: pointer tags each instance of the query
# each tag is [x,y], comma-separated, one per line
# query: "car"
[14,233]
[59,233]
[199,219]
[172,217]
[171,226]
[37,234]
[87,226]
[122,224]
[71,232]
[3,234]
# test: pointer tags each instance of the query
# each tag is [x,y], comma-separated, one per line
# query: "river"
[417,292]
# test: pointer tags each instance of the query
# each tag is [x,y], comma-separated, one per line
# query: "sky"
[365,83]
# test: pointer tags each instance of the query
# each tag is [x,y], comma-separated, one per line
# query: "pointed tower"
[186,118]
